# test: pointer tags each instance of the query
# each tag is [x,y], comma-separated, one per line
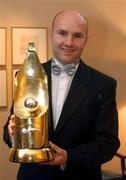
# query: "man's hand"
[60,155]
[11,126]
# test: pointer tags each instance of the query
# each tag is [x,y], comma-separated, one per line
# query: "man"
[83,119]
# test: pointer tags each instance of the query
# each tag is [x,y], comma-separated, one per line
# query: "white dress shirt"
[60,88]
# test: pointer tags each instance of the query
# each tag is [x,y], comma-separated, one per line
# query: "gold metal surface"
[31,155]
[30,142]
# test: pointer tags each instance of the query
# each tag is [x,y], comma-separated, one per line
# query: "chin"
[67,61]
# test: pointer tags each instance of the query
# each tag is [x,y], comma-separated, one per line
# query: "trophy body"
[30,142]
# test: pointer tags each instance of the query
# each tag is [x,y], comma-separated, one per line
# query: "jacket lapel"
[77,93]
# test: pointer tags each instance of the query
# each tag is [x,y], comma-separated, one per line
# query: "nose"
[69,40]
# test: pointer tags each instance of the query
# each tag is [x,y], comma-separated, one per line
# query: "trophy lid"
[31,58]
[31,46]
[31,66]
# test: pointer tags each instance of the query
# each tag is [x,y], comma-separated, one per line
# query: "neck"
[64,64]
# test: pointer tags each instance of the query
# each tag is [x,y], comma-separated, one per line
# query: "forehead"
[70,21]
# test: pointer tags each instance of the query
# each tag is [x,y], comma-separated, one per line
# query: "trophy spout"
[30,142]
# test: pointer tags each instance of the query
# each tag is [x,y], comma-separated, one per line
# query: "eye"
[78,35]
[62,33]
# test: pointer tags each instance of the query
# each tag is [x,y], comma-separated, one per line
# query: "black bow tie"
[69,69]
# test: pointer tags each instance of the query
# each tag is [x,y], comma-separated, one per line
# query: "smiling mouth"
[68,51]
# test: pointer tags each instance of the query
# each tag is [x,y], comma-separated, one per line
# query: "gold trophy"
[30,142]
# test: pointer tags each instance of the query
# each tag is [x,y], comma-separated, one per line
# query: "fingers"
[11,125]
[12,117]
[60,155]
[56,148]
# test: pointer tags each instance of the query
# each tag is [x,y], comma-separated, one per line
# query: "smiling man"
[82,117]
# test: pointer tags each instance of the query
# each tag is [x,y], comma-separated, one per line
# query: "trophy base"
[31,155]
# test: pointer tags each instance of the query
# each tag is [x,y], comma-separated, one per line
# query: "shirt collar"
[57,62]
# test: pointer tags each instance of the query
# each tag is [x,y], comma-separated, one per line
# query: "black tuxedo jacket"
[87,127]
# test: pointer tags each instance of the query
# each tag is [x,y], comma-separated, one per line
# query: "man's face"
[69,36]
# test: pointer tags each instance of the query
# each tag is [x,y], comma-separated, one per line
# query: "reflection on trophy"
[30,142]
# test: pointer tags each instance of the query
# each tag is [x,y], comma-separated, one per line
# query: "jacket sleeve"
[6,136]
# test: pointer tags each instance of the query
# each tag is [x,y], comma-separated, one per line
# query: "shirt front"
[60,88]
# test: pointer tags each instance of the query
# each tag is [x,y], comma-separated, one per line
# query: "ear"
[50,35]
[86,39]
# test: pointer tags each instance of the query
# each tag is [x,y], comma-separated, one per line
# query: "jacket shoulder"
[101,76]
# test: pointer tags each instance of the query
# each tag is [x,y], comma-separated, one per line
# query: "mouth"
[67,50]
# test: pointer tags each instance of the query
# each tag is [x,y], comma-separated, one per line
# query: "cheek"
[56,42]
[81,46]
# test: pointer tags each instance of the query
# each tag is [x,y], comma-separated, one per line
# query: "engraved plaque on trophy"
[30,142]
